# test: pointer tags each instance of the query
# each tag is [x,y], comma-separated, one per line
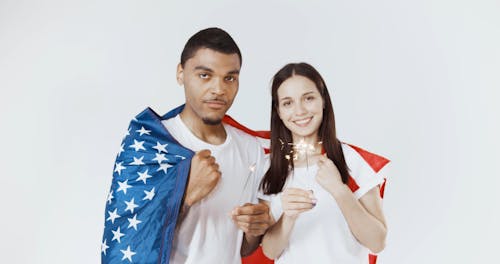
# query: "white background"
[416,81]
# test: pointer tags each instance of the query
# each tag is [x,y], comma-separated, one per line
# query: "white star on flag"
[161,147]
[119,167]
[143,131]
[137,145]
[164,167]
[117,234]
[121,150]
[137,161]
[110,197]
[134,222]
[143,176]
[160,157]
[149,195]
[123,186]
[127,254]
[130,206]
[112,216]
[104,247]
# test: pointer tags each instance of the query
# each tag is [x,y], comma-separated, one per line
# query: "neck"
[211,134]
[311,140]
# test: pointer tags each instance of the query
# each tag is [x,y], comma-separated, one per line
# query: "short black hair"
[211,38]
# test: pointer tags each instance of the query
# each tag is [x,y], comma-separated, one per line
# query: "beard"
[211,121]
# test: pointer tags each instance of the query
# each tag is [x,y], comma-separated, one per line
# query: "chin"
[304,134]
[212,121]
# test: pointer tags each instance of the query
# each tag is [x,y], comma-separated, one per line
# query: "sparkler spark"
[300,149]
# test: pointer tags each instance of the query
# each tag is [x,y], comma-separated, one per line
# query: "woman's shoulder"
[355,156]
[364,168]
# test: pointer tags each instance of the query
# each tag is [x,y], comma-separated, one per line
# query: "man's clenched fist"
[203,177]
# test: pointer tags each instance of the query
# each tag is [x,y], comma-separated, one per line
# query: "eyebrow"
[285,98]
[288,97]
[203,68]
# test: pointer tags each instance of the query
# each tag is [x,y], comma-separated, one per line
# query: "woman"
[322,193]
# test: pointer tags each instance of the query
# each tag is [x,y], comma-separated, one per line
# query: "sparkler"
[300,149]
[251,170]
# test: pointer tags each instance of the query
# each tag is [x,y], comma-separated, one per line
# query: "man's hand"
[253,219]
[203,177]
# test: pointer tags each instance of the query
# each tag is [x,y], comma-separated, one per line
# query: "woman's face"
[300,107]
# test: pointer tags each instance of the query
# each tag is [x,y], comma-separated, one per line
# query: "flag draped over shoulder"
[149,179]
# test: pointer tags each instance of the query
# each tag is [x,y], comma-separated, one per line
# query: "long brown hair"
[276,176]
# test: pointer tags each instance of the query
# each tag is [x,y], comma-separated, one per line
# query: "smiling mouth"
[302,122]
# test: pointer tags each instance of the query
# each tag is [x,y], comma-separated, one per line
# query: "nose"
[300,109]
[217,86]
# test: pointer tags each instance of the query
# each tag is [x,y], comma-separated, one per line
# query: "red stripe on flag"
[262,134]
[382,188]
[257,257]
[352,184]
[375,161]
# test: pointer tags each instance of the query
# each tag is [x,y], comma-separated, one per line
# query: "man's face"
[210,81]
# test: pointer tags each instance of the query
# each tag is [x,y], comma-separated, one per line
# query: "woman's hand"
[328,175]
[296,201]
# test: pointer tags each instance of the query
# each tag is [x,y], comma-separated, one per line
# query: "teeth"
[303,121]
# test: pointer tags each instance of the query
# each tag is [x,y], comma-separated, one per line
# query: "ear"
[180,75]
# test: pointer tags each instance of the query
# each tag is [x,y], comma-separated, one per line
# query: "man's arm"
[203,176]
[250,244]
[254,220]
[182,214]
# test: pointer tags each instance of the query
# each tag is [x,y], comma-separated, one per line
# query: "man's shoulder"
[239,133]
[243,131]
[241,136]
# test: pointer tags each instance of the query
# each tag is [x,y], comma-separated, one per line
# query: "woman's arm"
[294,201]
[364,216]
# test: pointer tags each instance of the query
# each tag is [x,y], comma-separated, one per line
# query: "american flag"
[149,179]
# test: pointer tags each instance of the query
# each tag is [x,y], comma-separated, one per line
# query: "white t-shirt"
[322,234]
[207,233]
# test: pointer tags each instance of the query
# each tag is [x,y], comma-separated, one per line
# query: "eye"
[310,98]
[230,78]
[203,75]
[286,103]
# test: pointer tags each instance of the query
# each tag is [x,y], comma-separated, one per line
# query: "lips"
[215,104]
[303,122]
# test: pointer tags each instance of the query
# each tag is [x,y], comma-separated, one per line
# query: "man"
[183,184]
